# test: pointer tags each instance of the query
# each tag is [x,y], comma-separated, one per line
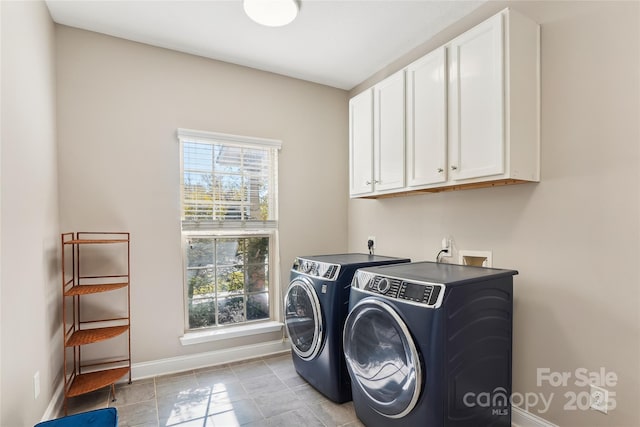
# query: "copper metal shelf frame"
[81,377]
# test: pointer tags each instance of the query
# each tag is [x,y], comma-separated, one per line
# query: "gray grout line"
[155,395]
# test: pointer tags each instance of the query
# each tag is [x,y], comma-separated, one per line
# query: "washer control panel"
[421,293]
[417,292]
[316,268]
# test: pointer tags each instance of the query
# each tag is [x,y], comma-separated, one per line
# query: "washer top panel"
[351,258]
[441,273]
[329,266]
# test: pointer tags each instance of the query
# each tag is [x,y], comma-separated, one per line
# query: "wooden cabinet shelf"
[86,383]
[95,274]
[90,336]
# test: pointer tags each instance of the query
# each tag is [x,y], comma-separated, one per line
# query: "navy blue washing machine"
[316,305]
[429,344]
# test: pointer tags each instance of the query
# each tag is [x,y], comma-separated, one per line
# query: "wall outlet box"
[598,399]
[446,244]
[36,385]
[373,239]
[476,258]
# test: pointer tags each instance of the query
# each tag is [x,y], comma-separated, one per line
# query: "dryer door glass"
[382,358]
[303,318]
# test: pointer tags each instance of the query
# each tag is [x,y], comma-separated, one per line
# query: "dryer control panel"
[313,268]
[420,293]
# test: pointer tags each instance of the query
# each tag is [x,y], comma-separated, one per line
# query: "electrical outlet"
[598,398]
[446,244]
[36,384]
[373,239]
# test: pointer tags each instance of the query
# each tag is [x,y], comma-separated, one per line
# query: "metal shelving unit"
[82,326]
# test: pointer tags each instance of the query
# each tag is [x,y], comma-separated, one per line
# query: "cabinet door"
[476,102]
[427,120]
[361,144]
[388,135]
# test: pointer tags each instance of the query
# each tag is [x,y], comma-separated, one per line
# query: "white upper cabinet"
[427,120]
[361,143]
[476,102]
[471,115]
[376,138]
[388,134]
[494,87]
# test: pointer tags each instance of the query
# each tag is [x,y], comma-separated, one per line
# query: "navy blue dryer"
[429,345]
[316,305]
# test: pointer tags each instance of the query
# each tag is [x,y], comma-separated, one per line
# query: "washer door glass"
[303,318]
[382,358]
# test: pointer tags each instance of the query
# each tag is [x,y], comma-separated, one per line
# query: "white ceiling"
[338,43]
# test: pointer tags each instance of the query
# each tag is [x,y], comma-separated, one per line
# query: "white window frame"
[233,229]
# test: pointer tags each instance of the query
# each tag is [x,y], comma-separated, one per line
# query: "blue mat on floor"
[107,417]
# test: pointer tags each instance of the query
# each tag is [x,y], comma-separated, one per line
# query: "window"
[229,228]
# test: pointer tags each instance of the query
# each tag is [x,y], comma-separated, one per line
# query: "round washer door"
[382,358]
[303,318]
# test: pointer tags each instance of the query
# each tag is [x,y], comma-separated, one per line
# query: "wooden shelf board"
[85,383]
[455,187]
[89,336]
[94,289]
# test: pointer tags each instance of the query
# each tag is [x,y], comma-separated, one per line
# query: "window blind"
[228,181]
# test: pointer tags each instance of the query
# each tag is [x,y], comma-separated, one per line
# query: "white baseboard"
[182,363]
[522,418]
[200,360]
[55,405]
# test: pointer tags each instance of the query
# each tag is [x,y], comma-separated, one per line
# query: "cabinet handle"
[367,183]
[453,167]
[376,181]
[440,170]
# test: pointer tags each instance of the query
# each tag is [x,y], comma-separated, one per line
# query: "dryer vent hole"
[478,261]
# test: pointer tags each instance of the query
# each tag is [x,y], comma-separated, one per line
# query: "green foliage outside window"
[227,280]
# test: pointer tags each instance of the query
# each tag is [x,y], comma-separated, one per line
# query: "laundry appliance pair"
[414,344]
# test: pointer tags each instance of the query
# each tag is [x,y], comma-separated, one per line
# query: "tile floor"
[259,392]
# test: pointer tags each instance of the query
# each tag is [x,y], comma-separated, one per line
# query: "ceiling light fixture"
[272,13]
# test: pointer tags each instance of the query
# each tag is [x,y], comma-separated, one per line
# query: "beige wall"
[575,236]
[120,104]
[30,287]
